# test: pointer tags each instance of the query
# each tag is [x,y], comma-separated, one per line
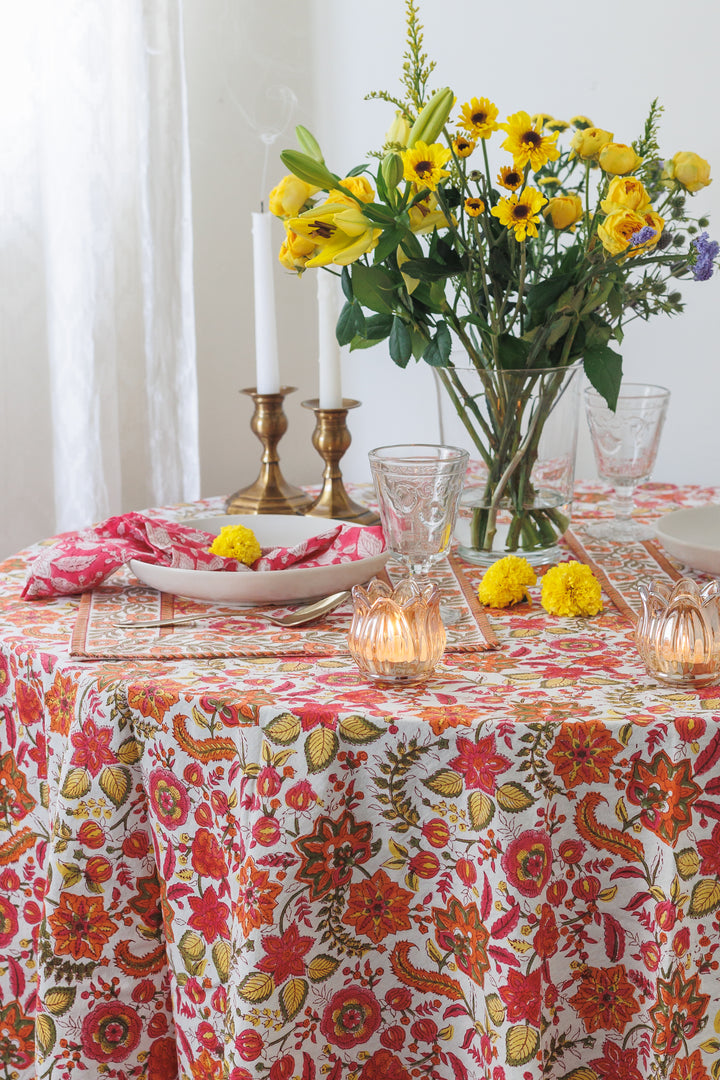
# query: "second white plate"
[262,586]
[693,536]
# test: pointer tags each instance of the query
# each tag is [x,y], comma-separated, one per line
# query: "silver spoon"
[301,615]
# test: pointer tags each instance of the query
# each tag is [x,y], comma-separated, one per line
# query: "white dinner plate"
[261,586]
[693,536]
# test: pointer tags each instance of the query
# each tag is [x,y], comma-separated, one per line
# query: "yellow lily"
[342,233]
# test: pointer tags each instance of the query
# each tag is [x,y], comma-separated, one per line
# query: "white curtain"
[98,389]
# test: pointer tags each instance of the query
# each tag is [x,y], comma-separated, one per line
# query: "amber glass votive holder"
[678,632]
[396,636]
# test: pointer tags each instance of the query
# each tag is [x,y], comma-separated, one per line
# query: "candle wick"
[262,207]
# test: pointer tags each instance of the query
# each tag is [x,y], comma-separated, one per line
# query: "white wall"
[606,63]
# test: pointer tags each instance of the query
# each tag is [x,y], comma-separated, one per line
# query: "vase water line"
[520,427]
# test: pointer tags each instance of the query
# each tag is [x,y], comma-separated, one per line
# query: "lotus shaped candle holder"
[678,632]
[396,635]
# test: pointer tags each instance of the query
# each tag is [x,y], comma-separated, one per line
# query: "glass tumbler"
[418,488]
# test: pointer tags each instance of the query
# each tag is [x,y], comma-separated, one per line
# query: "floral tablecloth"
[267,868]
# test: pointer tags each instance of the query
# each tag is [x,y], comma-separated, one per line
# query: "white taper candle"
[267,379]
[330,388]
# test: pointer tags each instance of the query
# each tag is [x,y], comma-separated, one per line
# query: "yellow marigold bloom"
[463,147]
[619,227]
[571,589]
[340,232]
[690,170]
[564,211]
[423,165]
[510,178]
[237,542]
[588,142]
[360,187]
[618,159]
[427,215]
[479,118]
[295,251]
[289,196]
[626,193]
[474,207]
[505,582]
[520,214]
[527,143]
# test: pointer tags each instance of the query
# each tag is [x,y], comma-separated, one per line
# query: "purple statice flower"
[705,253]
[642,236]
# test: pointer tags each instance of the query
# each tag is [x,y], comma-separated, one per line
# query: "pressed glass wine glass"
[418,489]
[625,443]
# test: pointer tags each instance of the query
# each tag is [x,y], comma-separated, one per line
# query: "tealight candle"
[678,632]
[396,636]
[267,368]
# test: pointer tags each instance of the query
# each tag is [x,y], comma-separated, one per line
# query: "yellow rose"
[626,193]
[564,210]
[690,170]
[619,227]
[359,186]
[289,196]
[618,159]
[587,142]
[295,251]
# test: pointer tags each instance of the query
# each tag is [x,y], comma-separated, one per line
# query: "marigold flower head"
[571,588]
[505,582]
[527,143]
[423,165]
[581,122]
[237,542]
[510,178]
[520,213]
[479,118]
[463,147]
[556,125]
[541,119]
[474,207]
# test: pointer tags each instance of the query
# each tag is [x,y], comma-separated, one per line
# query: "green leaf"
[430,269]
[437,354]
[359,318]
[541,296]
[615,302]
[378,327]
[375,212]
[603,368]
[512,352]
[345,329]
[388,242]
[400,342]
[346,282]
[373,287]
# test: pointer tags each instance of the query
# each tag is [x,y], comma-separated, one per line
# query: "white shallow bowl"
[261,586]
[693,536]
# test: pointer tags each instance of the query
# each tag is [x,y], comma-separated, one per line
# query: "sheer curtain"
[98,388]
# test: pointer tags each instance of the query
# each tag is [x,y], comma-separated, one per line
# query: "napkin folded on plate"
[78,561]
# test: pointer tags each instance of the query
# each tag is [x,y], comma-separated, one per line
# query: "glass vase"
[520,427]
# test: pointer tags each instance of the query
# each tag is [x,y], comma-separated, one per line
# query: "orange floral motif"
[81,926]
[151,699]
[378,907]
[442,717]
[257,897]
[461,932]
[678,1012]
[605,999]
[208,858]
[15,799]
[689,1068]
[384,1065]
[583,753]
[332,850]
[207,1067]
[665,792]
[17,1038]
[60,702]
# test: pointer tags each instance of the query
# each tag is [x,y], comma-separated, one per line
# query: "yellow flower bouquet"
[506,282]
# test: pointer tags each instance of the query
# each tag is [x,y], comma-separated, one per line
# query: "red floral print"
[210,915]
[378,907]
[605,999]
[460,931]
[81,926]
[162,1060]
[257,897]
[666,793]
[110,1032]
[709,852]
[479,763]
[92,747]
[617,1063]
[522,995]
[528,862]
[169,798]
[583,753]
[383,1065]
[351,1017]
[285,954]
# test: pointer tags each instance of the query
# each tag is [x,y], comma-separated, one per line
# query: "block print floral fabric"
[270,869]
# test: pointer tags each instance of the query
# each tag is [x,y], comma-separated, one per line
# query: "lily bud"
[432,118]
[309,143]
[308,169]
[399,131]
[392,169]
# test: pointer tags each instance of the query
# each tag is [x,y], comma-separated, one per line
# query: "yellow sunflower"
[479,118]
[463,147]
[527,143]
[423,165]
[474,207]
[510,178]
[520,214]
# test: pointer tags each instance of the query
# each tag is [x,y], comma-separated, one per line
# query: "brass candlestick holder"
[331,439]
[271,493]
